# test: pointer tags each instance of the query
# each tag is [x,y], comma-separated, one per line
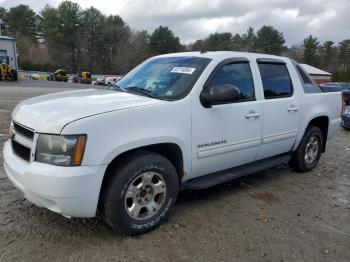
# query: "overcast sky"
[196,19]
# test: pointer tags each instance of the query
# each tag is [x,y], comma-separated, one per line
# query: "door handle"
[293,108]
[252,114]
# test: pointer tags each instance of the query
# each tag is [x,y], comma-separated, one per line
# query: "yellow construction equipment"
[83,76]
[6,72]
[58,75]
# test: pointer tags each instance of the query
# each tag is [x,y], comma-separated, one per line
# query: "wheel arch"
[322,122]
[171,151]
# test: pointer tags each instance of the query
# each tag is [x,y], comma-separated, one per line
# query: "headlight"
[60,150]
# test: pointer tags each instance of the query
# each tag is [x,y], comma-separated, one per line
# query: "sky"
[196,19]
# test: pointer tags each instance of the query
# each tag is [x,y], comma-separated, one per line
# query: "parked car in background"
[107,80]
[34,76]
[338,86]
[346,119]
[100,81]
[110,80]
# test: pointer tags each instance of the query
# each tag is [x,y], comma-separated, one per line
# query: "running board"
[233,173]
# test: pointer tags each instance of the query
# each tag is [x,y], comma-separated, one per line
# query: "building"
[318,75]
[8,49]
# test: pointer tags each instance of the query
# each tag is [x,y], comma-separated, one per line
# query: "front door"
[227,135]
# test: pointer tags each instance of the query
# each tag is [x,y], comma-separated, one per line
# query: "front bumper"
[70,191]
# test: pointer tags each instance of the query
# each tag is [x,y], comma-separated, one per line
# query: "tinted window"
[276,80]
[304,76]
[237,74]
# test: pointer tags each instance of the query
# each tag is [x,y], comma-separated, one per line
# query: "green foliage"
[310,51]
[21,21]
[29,65]
[2,13]
[344,53]
[248,40]
[163,41]
[268,40]
[219,41]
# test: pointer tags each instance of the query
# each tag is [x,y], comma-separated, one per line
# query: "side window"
[303,75]
[237,74]
[276,80]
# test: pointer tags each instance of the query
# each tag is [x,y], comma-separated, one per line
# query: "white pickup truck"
[177,121]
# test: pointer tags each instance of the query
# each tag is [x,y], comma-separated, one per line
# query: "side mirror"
[220,94]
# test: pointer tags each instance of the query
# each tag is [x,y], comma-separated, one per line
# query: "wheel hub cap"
[145,195]
[312,148]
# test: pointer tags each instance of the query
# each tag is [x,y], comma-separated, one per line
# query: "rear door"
[280,108]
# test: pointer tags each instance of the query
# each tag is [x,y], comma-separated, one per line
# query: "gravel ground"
[275,215]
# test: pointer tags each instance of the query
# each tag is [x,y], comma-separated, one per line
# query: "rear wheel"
[308,154]
[140,193]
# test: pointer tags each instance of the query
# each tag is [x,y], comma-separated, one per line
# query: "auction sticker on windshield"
[183,70]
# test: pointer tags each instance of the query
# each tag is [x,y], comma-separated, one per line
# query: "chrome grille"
[26,132]
[20,150]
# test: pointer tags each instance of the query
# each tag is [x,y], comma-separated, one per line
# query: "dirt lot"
[275,215]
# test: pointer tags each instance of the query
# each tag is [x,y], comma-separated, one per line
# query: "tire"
[14,75]
[308,153]
[123,195]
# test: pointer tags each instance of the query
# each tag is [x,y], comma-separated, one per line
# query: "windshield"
[168,78]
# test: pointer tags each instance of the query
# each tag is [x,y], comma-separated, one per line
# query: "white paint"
[116,122]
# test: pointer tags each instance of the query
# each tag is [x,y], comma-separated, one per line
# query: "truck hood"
[50,113]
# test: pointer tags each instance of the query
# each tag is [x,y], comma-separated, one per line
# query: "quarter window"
[303,75]
[237,74]
[276,80]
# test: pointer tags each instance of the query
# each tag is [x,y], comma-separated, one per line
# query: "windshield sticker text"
[183,70]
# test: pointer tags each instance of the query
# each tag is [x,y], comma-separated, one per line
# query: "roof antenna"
[203,51]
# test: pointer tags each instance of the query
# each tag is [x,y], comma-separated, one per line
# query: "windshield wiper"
[139,90]
[116,87]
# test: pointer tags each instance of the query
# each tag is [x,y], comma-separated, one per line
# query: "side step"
[233,173]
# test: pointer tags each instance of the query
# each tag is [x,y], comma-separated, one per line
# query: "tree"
[90,33]
[219,41]
[163,41]
[2,19]
[344,53]
[295,52]
[237,43]
[328,56]
[248,40]
[198,45]
[310,47]
[21,21]
[69,17]
[270,41]
[116,35]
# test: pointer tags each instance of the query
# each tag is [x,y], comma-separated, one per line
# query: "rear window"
[276,80]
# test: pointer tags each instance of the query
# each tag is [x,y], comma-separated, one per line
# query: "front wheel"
[308,154]
[140,193]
